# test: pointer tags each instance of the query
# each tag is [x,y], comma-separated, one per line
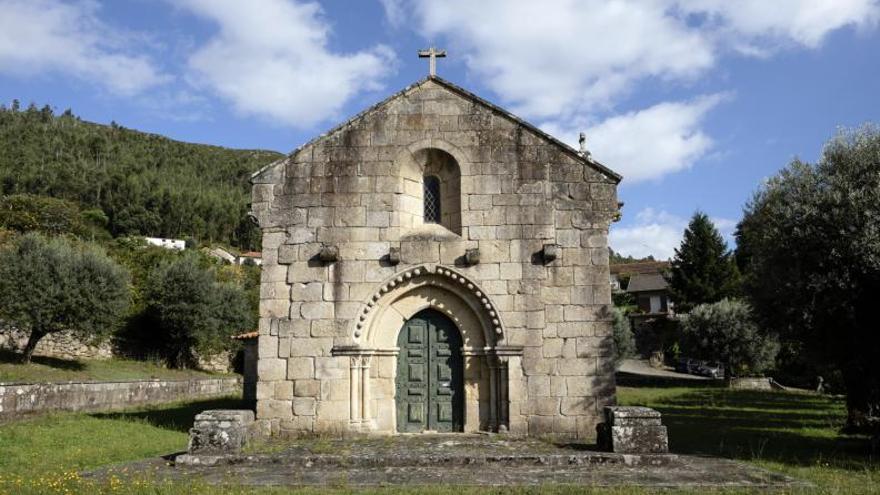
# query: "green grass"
[69,441]
[792,433]
[46,369]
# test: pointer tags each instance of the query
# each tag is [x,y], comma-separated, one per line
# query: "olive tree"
[50,285]
[726,332]
[809,243]
[193,312]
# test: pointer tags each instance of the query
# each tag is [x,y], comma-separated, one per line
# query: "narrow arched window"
[432,199]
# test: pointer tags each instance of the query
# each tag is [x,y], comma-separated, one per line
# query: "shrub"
[624,342]
[50,285]
[726,332]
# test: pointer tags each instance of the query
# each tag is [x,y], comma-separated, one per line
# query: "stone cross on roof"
[433,54]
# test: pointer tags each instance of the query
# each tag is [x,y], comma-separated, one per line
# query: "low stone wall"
[62,345]
[750,383]
[28,398]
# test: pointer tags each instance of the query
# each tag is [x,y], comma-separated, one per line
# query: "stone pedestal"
[221,431]
[633,430]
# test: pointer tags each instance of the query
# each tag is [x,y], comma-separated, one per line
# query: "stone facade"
[518,260]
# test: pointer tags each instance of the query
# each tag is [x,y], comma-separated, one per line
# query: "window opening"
[432,199]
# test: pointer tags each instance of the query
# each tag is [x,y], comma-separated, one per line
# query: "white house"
[173,244]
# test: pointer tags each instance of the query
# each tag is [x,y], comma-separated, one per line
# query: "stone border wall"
[63,345]
[18,399]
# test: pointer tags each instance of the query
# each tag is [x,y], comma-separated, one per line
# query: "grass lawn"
[45,369]
[792,433]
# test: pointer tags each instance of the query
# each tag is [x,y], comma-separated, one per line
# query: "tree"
[26,212]
[50,285]
[810,242]
[703,270]
[726,332]
[194,313]
[143,183]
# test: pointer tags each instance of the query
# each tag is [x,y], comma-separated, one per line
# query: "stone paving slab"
[464,460]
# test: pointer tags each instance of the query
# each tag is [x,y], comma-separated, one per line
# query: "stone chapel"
[435,264]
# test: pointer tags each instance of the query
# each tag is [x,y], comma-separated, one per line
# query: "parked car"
[685,365]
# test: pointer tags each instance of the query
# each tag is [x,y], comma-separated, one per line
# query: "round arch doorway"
[430,369]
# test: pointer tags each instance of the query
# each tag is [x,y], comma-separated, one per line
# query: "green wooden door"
[430,391]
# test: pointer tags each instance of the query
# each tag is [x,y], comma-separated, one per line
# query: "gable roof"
[644,282]
[640,267]
[469,96]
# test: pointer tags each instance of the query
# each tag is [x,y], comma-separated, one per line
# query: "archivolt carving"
[421,287]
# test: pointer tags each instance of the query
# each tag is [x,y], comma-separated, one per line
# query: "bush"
[50,285]
[193,312]
[624,342]
[726,332]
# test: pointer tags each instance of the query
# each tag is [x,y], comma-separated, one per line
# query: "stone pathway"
[486,460]
[642,368]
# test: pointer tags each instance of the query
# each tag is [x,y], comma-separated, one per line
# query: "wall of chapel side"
[518,193]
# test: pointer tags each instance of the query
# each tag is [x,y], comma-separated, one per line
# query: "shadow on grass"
[625,379]
[7,356]
[790,428]
[176,417]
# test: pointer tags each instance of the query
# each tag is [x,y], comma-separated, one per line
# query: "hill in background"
[144,183]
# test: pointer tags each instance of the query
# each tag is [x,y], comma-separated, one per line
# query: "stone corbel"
[472,256]
[329,254]
[394,256]
[549,253]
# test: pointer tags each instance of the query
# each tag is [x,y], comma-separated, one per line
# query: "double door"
[430,391]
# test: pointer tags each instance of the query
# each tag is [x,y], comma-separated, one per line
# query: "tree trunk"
[33,339]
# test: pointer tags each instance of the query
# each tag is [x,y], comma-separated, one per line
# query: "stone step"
[316,461]
[689,472]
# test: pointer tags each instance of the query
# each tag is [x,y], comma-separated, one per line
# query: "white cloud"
[763,25]
[653,234]
[38,36]
[272,59]
[557,57]
[656,141]
[394,11]
[569,63]
[658,233]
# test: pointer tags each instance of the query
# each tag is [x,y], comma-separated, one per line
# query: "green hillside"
[145,184]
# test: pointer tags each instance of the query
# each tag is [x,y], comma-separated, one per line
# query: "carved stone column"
[503,396]
[366,416]
[355,390]
[493,392]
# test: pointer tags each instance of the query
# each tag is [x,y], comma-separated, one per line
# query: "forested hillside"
[145,184]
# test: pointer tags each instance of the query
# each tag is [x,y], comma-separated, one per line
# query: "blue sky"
[695,102]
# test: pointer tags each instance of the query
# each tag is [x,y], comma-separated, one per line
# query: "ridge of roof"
[571,151]
[640,267]
[466,94]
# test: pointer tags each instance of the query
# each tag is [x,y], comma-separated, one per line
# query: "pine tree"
[703,270]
